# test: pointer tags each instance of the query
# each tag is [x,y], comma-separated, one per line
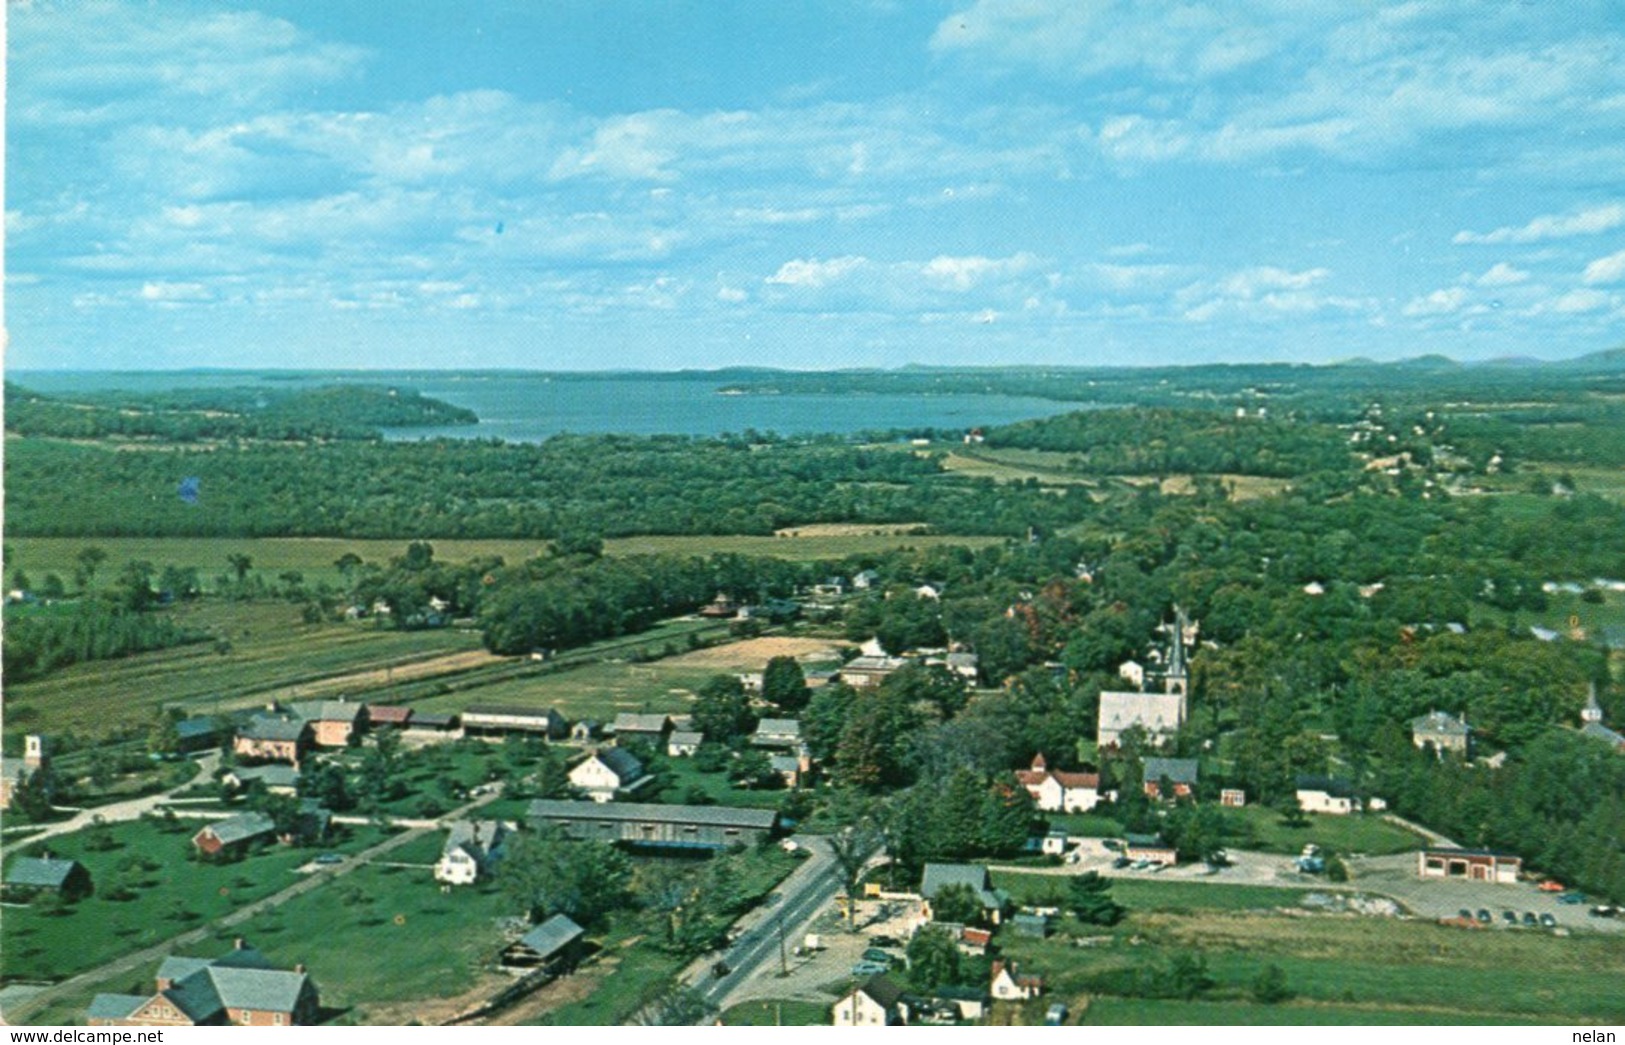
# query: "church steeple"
[1592,712]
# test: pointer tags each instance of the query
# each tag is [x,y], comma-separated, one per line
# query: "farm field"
[1339,968]
[270,653]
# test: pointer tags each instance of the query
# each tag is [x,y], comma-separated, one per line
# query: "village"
[276,787]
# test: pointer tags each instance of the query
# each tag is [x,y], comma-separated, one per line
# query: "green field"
[776,1013]
[1138,894]
[173,894]
[1340,969]
[1255,827]
[598,691]
[270,650]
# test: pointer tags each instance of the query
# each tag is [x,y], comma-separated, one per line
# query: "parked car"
[1121,862]
[1055,1016]
[868,968]
[878,956]
[882,940]
[1551,885]
[1484,916]
[1510,917]
[1530,919]
[1464,913]
[1572,898]
[1548,921]
[330,858]
[1603,910]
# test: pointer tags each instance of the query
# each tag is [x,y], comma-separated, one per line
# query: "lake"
[530,407]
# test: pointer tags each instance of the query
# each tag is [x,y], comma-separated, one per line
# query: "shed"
[45,874]
[549,945]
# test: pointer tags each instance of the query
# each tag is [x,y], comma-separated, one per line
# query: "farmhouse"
[496,720]
[657,826]
[234,834]
[1057,791]
[777,733]
[276,778]
[473,848]
[869,671]
[274,737]
[1009,984]
[333,723]
[548,946]
[1474,865]
[877,1002]
[1159,714]
[936,877]
[241,988]
[1180,773]
[683,742]
[608,772]
[31,875]
[1441,731]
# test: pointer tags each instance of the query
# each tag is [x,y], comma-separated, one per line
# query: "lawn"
[776,1013]
[174,894]
[1260,828]
[680,779]
[1147,895]
[594,690]
[384,934]
[1173,1012]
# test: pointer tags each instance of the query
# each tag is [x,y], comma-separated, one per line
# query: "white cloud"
[1610,269]
[963,273]
[1501,274]
[815,273]
[1439,303]
[175,293]
[1582,222]
[1585,300]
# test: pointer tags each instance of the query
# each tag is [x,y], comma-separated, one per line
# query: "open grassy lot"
[1142,895]
[1147,1012]
[776,1014]
[271,652]
[384,934]
[1262,829]
[172,893]
[598,691]
[1343,968]
[681,781]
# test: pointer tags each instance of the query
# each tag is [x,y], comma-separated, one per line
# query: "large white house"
[607,772]
[473,848]
[1159,714]
[1055,791]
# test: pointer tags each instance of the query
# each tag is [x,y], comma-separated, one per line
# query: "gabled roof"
[240,828]
[115,1006]
[686,736]
[388,714]
[273,727]
[1602,732]
[328,710]
[937,876]
[621,762]
[432,719]
[1178,770]
[785,763]
[193,729]
[241,979]
[274,775]
[779,727]
[632,722]
[1440,722]
[476,837]
[703,816]
[42,872]
[1073,781]
[882,990]
[552,935]
[550,715]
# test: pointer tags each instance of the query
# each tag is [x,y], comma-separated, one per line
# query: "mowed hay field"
[272,654]
[1340,969]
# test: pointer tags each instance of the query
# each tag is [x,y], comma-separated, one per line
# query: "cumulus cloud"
[811,272]
[1581,222]
[1439,303]
[963,273]
[1501,274]
[1610,269]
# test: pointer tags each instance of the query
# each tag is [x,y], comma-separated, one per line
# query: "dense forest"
[207,415]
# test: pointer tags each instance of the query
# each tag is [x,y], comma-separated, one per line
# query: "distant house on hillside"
[1181,774]
[395,716]
[1009,984]
[777,733]
[1473,865]
[1441,731]
[868,671]
[683,743]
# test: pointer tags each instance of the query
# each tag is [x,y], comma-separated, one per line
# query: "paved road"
[313,880]
[132,809]
[756,951]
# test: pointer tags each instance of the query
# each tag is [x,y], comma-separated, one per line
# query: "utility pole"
[784,966]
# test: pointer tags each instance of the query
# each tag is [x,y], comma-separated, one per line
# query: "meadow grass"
[776,1013]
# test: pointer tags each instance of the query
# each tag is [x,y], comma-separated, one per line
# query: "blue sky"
[608,184]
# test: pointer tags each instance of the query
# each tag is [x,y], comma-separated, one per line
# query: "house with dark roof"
[30,876]
[550,945]
[395,716]
[1180,773]
[782,733]
[241,988]
[234,835]
[683,742]
[1057,791]
[333,723]
[877,1002]
[1010,984]
[609,772]
[657,826]
[274,737]
[649,728]
[1441,731]
[975,877]
[198,733]
[473,848]
[274,777]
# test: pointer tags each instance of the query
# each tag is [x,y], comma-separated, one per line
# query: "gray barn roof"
[705,816]
[552,935]
[115,1006]
[1178,770]
[975,876]
[268,727]
[41,872]
[622,763]
[241,828]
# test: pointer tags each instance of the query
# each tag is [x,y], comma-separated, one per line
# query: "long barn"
[665,826]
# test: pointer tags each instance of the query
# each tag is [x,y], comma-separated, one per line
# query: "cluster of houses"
[879,1001]
[242,988]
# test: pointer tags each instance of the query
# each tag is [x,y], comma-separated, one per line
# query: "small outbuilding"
[34,875]
[553,945]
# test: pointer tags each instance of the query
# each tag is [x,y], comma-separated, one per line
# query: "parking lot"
[1396,876]
[839,952]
